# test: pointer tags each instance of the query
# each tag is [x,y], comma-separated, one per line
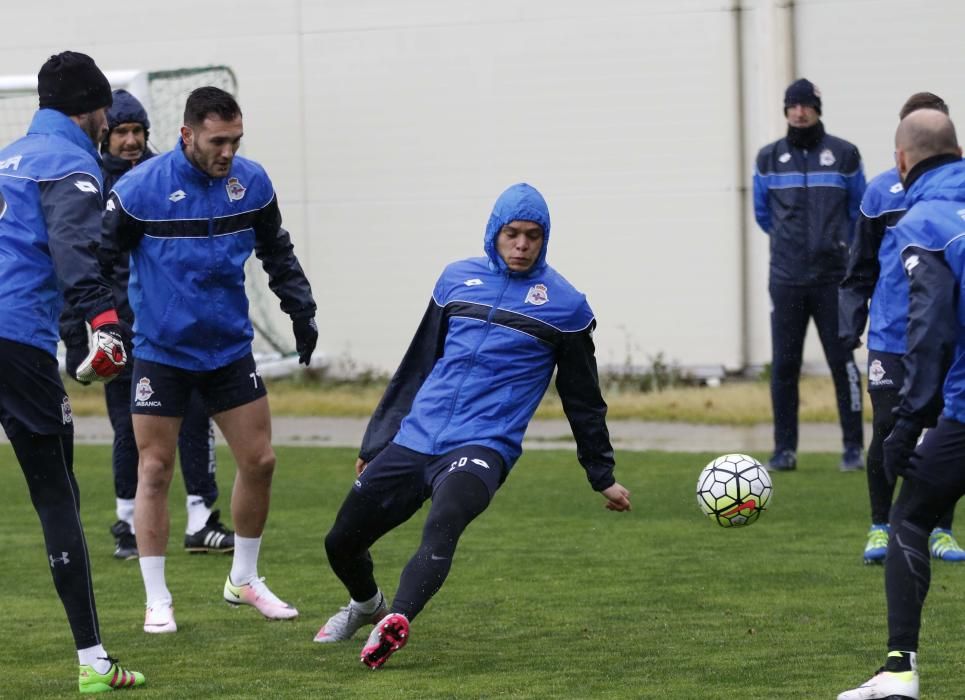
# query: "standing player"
[875,273]
[190,219]
[50,210]
[451,422]
[124,147]
[932,248]
[807,190]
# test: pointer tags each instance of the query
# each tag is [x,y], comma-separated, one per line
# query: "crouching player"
[451,422]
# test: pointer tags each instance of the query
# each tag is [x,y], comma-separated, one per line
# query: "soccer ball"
[733,490]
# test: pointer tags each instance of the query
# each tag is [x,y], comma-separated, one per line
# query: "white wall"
[390,126]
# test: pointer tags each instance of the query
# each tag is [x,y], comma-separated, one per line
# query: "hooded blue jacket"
[807,201]
[485,352]
[931,241]
[874,272]
[189,236]
[50,211]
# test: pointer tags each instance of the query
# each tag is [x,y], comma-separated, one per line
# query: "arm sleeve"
[273,246]
[856,188]
[426,347]
[762,212]
[72,212]
[931,334]
[859,280]
[579,388]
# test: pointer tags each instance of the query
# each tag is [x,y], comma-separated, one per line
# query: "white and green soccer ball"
[733,490]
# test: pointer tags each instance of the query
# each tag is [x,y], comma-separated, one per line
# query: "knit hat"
[126,109]
[71,83]
[802,92]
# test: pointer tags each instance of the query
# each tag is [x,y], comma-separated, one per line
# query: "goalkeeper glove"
[306,337]
[107,357]
[76,354]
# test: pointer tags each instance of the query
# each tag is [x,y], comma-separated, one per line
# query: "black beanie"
[71,83]
[802,92]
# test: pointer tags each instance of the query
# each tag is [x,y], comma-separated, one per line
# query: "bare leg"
[247,430]
[157,438]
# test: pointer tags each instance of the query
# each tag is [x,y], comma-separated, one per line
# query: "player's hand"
[899,447]
[360,465]
[306,338]
[617,497]
[76,354]
[107,356]
[850,343]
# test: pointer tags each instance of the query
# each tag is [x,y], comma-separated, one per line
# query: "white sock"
[198,514]
[244,566]
[125,510]
[95,657]
[155,587]
[370,605]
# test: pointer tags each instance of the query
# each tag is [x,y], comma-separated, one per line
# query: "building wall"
[390,127]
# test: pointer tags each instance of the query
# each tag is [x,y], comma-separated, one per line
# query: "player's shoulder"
[884,193]
[767,151]
[839,145]
[555,300]
[45,157]
[464,274]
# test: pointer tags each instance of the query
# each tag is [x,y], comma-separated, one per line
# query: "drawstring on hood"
[520,202]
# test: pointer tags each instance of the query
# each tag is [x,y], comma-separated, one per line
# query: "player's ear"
[187,135]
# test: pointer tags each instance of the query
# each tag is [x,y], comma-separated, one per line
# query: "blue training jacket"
[875,273]
[50,212]
[931,241]
[807,200]
[485,352]
[189,236]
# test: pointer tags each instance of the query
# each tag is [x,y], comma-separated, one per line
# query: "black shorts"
[400,477]
[885,371]
[32,396]
[163,390]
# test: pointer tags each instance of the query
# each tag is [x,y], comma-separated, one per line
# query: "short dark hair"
[922,100]
[208,100]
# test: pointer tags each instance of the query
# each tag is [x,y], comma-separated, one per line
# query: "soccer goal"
[163,94]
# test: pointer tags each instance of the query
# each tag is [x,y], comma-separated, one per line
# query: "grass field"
[551,596]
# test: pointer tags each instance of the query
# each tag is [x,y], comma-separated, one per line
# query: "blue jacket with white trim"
[874,272]
[189,236]
[807,200]
[50,219]
[485,352]
[931,241]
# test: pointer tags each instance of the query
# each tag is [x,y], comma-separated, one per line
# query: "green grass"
[551,596]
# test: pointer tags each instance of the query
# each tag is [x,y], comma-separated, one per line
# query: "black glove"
[850,342]
[306,337]
[76,354]
[899,447]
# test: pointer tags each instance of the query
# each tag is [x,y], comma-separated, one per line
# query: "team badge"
[66,414]
[876,372]
[235,189]
[826,158]
[537,295]
[784,157]
[143,391]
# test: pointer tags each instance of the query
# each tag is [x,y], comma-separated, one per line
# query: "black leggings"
[360,523]
[47,463]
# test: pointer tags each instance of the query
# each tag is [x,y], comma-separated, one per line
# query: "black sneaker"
[782,461]
[213,537]
[125,544]
[852,460]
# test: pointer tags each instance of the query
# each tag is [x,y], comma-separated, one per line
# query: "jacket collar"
[926,166]
[54,123]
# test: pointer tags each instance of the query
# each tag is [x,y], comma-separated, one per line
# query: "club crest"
[876,372]
[66,414]
[826,158]
[537,295]
[236,190]
[143,391]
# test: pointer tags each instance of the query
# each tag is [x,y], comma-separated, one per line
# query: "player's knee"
[154,473]
[261,465]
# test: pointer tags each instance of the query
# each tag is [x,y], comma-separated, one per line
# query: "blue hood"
[520,202]
[946,182]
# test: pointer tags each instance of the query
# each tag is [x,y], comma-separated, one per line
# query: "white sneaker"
[347,621]
[159,618]
[888,684]
[256,594]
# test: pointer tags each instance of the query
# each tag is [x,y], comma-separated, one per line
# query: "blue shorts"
[163,390]
[399,477]
[32,396]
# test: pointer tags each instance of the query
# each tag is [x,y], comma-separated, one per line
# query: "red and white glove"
[107,356]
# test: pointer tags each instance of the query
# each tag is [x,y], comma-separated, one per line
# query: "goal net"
[163,94]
